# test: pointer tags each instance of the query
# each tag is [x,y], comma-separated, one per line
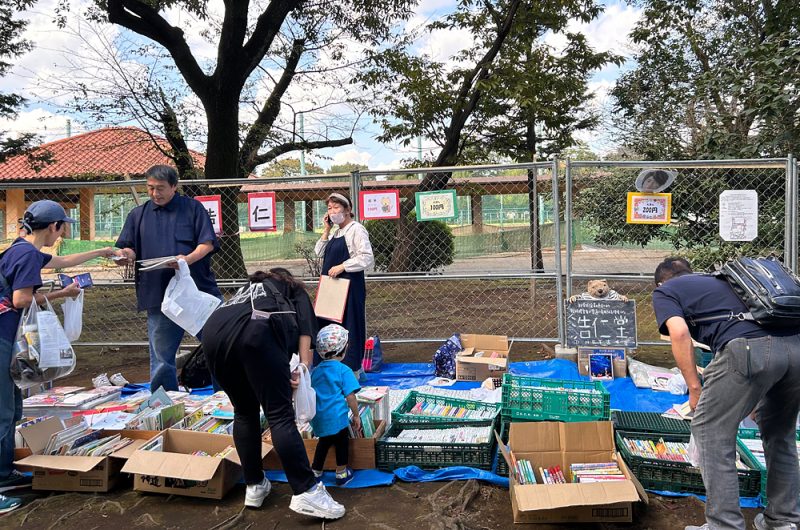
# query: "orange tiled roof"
[109,151]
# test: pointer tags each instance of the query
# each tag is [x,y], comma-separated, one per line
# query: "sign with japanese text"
[213,205]
[601,323]
[382,204]
[433,205]
[649,208]
[261,211]
[738,215]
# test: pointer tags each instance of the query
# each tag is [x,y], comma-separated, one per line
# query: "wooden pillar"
[87,214]
[288,215]
[477,213]
[15,208]
[309,215]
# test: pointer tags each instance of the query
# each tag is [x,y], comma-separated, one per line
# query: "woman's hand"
[70,291]
[326,226]
[335,271]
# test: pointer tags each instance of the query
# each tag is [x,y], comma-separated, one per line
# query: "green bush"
[432,244]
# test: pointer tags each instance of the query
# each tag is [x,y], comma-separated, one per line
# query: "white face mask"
[336,218]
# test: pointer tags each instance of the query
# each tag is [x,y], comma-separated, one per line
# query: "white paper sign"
[261,211]
[738,215]
[213,205]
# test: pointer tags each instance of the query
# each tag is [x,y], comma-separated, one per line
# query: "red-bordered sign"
[261,211]
[379,204]
[213,205]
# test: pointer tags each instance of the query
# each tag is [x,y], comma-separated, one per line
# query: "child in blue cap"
[336,388]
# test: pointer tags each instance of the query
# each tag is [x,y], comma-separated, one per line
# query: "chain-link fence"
[462,249]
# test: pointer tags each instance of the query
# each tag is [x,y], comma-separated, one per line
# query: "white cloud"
[352,156]
[42,122]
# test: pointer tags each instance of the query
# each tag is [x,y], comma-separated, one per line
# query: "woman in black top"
[248,351]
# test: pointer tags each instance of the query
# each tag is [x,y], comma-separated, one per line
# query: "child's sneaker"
[118,380]
[101,380]
[344,477]
[317,474]
[8,504]
[317,502]
[256,493]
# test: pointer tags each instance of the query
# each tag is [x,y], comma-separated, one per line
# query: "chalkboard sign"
[601,323]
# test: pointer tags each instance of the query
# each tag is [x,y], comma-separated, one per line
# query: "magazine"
[156,263]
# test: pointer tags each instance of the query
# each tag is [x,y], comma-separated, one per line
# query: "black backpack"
[195,373]
[770,291]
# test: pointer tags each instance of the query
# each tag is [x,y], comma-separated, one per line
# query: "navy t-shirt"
[702,295]
[157,231]
[21,265]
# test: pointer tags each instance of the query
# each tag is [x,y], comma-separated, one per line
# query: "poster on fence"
[261,211]
[738,215]
[379,204]
[649,208]
[604,323]
[213,205]
[436,205]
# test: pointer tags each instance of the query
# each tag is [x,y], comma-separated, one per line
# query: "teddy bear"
[598,290]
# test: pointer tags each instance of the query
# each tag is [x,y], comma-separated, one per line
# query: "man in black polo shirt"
[753,368]
[169,224]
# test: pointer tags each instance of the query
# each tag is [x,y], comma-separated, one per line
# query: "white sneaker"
[694,527]
[317,502]
[118,380]
[256,493]
[101,380]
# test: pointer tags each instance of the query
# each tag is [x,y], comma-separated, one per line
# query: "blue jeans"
[10,410]
[165,338]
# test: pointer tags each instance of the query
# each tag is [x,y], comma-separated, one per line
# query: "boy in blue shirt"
[336,388]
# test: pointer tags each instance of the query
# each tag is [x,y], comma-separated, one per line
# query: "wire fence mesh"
[489,264]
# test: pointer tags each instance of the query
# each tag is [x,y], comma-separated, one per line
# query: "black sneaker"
[15,480]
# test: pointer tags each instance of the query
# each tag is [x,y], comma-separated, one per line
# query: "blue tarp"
[415,474]
[363,478]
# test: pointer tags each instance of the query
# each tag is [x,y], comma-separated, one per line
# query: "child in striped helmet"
[336,388]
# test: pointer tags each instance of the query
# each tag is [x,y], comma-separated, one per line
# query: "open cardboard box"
[361,451]
[472,368]
[549,444]
[177,471]
[74,473]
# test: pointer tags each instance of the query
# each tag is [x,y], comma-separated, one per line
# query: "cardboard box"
[472,368]
[176,471]
[548,444]
[361,454]
[74,473]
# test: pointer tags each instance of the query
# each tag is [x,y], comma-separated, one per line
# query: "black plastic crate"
[648,422]
[391,455]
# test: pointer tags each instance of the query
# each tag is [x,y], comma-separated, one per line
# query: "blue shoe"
[15,480]
[344,477]
[8,504]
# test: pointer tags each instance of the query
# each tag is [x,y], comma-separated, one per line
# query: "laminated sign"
[261,211]
[213,205]
[383,204]
[433,205]
[738,215]
[649,208]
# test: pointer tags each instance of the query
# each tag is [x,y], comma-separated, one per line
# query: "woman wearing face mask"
[347,254]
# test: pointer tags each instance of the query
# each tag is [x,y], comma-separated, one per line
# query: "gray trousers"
[745,374]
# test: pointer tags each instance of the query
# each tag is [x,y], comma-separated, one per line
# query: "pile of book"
[367,429]
[660,450]
[81,440]
[424,408]
[71,397]
[756,447]
[468,435]
[596,472]
[222,454]
[212,425]
[377,398]
[157,418]
[524,472]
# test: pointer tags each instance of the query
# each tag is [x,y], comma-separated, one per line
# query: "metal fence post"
[562,335]
[788,244]
[568,238]
[355,187]
[793,220]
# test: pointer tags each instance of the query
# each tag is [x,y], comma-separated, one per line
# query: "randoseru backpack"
[195,373]
[770,291]
[444,360]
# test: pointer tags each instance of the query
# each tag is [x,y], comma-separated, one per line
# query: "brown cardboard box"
[471,368]
[362,451]
[548,444]
[176,471]
[74,473]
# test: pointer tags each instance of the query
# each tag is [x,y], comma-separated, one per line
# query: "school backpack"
[770,291]
[195,373]
[444,360]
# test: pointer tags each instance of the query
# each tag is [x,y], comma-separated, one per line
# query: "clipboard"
[331,298]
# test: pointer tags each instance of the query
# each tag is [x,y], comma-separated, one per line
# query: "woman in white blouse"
[347,254]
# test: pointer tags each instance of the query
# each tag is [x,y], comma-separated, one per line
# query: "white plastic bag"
[73,317]
[693,452]
[677,385]
[185,304]
[305,398]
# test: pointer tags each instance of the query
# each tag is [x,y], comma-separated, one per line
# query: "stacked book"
[157,418]
[596,472]
[367,429]
[81,440]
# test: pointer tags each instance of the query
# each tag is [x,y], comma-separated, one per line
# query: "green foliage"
[347,167]
[433,243]
[289,167]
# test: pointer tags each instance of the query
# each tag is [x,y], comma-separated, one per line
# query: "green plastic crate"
[531,398]
[390,455]
[648,422]
[703,357]
[751,434]
[401,415]
[502,465]
[679,477]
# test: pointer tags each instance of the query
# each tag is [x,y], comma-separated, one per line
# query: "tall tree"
[289,167]
[292,31]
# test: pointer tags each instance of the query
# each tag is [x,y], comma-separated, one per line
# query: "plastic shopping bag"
[73,317]
[185,304]
[305,398]
[693,452]
[41,350]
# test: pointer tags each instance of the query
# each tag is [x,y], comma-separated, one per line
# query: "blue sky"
[57,51]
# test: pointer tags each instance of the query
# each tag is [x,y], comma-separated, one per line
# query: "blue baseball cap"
[48,212]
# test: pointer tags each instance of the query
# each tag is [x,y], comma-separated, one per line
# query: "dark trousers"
[341,441]
[255,375]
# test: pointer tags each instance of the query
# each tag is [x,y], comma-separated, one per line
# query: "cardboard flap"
[37,435]
[173,465]
[552,496]
[82,464]
[588,436]
[505,454]
[496,361]
[624,467]
[497,343]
